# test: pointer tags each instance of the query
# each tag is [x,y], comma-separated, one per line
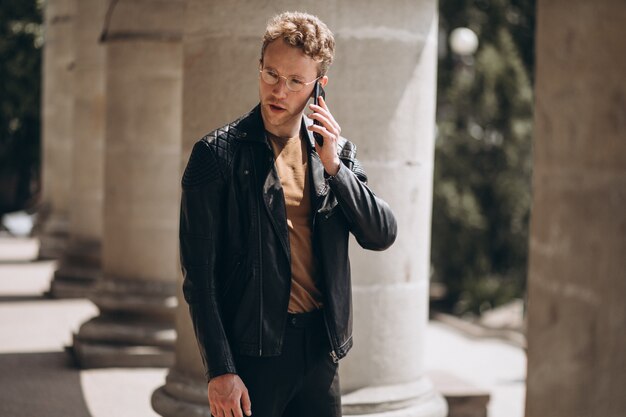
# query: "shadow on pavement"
[11,262]
[24,298]
[40,384]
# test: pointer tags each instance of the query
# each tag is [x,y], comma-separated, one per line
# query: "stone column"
[577,278]
[382,92]
[136,295]
[384,82]
[80,265]
[57,127]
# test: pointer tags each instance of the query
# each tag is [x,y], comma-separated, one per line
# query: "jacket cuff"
[215,372]
[339,173]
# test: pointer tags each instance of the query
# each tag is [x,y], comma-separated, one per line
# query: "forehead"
[289,60]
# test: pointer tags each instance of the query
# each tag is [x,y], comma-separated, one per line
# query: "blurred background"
[481,195]
[20,150]
[484,110]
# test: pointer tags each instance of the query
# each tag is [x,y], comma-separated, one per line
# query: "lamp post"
[464,43]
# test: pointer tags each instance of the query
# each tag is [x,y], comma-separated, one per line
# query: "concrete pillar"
[577,278]
[382,92]
[80,265]
[136,295]
[386,74]
[57,126]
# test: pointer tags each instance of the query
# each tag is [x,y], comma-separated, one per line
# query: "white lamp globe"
[463,41]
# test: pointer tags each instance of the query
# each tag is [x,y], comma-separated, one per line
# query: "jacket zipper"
[288,249]
[332,352]
[261,291]
[258,222]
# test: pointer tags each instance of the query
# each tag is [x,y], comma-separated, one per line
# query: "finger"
[325,122]
[246,403]
[324,106]
[217,411]
[236,412]
[321,110]
[325,118]
[326,113]
[322,131]
[322,102]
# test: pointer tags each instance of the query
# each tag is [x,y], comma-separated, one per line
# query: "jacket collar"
[251,129]
[250,126]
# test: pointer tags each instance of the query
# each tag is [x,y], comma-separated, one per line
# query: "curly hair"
[303,31]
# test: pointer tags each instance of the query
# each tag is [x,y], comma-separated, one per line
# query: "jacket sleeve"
[371,220]
[201,232]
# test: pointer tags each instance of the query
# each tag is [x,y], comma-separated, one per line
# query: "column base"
[181,396]
[78,272]
[464,398]
[413,399]
[185,396]
[120,342]
[53,236]
[135,327]
[92,355]
[137,297]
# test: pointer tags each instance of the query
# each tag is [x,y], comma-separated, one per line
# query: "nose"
[280,88]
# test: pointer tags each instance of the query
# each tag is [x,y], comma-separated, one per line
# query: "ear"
[324,80]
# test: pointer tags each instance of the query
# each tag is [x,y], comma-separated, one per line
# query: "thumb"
[245,402]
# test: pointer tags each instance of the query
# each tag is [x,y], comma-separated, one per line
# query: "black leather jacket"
[234,243]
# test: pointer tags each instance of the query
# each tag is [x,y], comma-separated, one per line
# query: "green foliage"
[20,72]
[481,199]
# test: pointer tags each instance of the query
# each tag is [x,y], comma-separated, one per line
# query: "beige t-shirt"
[291,163]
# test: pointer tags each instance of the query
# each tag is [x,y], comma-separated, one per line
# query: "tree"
[20,70]
[481,199]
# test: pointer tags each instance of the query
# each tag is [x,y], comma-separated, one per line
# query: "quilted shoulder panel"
[223,140]
[202,167]
[346,149]
[359,171]
[212,156]
[347,152]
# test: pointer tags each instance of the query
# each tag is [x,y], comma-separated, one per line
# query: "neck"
[283,131]
[283,139]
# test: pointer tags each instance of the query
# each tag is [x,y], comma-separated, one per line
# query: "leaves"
[20,92]
[481,199]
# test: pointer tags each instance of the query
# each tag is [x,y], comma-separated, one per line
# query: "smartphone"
[318,91]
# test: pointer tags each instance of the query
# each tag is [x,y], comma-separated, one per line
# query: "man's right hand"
[228,393]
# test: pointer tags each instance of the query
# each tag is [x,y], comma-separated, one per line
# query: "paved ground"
[37,379]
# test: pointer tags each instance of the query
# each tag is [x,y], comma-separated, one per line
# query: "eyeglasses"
[293,83]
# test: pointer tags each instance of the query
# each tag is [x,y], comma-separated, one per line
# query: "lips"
[276,108]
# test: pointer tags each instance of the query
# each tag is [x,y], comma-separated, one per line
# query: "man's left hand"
[330,130]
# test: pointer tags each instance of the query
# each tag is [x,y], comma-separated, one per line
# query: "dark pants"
[303,381]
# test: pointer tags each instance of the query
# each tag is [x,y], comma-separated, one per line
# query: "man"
[265,217]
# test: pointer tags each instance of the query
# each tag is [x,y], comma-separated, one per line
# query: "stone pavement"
[38,378]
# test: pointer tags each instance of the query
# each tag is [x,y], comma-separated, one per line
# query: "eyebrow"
[299,77]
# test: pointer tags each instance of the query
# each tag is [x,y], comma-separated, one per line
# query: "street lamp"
[463,41]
